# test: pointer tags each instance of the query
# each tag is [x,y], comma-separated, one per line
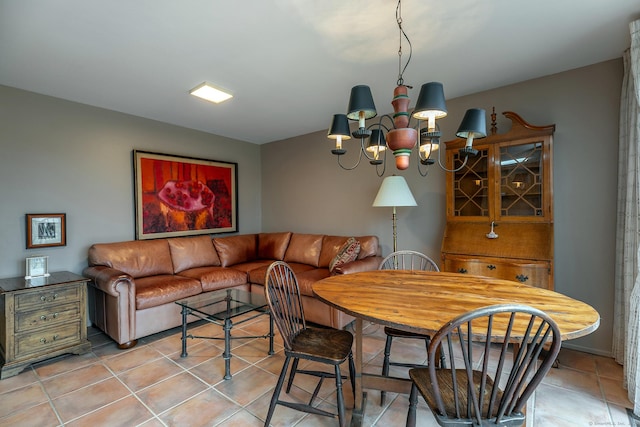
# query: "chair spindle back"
[283,296]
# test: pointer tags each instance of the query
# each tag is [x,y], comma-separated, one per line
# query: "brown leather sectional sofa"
[135,284]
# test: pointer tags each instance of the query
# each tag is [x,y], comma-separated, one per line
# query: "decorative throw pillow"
[347,253]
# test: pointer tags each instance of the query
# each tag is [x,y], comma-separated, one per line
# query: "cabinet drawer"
[533,273]
[44,297]
[46,340]
[49,316]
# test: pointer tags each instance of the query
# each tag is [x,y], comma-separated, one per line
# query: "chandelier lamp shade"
[401,137]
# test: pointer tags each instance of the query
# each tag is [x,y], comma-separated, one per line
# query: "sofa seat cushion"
[246,267]
[164,288]
[214,278]
[258,274]
[306,279]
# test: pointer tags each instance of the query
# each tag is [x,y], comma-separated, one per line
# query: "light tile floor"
[151,385]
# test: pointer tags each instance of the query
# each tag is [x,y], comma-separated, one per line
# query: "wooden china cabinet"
[508,185]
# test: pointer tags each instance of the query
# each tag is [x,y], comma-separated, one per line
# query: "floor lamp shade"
[394,191]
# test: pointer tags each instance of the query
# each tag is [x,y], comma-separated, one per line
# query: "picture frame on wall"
[46,230]
[37,266]
[183,196]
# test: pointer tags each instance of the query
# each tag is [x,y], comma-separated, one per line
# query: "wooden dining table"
[423,301]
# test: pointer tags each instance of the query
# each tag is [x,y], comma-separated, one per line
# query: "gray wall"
[303,188]
[60,156]
[63,157]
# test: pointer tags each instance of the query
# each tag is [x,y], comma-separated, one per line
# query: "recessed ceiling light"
[210,93]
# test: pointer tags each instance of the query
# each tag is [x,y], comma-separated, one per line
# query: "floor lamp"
[394,192]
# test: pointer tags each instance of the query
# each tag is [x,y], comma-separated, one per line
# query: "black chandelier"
[401,137]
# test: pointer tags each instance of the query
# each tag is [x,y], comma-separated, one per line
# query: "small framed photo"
[45,230]
[37,266]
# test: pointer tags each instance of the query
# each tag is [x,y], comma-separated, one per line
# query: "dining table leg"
[360,397]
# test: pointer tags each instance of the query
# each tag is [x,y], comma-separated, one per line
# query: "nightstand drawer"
[47,316]
[47,296]
[48,339]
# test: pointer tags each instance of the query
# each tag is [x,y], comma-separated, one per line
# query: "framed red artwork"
[182,196]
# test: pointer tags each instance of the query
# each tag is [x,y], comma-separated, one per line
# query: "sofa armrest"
[115,303]
[365,264]
[110,280]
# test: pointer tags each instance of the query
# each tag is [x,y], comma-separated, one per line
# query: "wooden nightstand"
[41,318]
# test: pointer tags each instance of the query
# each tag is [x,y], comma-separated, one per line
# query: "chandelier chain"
[402,34]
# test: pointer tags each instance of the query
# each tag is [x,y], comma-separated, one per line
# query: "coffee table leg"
[270,334]
[227,349]
[184,332]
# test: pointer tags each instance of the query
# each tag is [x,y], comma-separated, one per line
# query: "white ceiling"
[291,63]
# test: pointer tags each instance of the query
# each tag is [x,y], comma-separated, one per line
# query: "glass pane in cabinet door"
[470,186]
[521,180]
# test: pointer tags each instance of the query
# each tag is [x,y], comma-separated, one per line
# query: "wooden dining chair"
[323,345]
[403,260]
[488,381]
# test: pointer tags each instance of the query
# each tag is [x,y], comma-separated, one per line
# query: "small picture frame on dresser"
[37,266]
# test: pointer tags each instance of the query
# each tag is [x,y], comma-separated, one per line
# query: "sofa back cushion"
[330,247]
[273,245]
[138,258]
[368,246]
[236,249]
[192,252]
[304,248]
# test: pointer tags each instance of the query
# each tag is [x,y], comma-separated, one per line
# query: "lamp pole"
[395,230]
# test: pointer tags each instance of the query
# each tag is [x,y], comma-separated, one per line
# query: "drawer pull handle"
[45,318]
[45,299]
[522,278]
[462,270]
[43,340]
[491,267]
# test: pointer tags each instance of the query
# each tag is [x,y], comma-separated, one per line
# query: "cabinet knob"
[522,278]
[462,270]
[491,267]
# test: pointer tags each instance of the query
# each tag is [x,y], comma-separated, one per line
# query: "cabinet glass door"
[521,177]
[471,185]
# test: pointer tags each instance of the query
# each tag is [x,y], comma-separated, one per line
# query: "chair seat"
[420,377]
[403,334]
[325,345]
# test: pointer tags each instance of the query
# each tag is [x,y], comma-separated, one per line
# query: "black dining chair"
[323,345]
[403,260]
[488,381]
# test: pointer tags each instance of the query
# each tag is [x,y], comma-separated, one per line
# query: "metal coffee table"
[220,308]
